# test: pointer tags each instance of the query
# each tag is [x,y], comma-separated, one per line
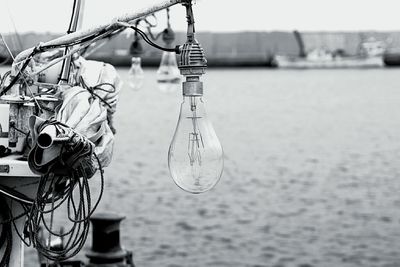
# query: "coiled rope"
[63,185]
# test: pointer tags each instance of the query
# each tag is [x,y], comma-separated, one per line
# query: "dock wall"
[228,49]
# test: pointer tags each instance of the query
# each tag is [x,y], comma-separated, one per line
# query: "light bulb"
[168,75]
[136,75]
[195,156]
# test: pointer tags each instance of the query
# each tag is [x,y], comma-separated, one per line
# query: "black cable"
[5,234]
[147,40]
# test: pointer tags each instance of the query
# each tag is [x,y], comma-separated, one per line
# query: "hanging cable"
[147,39]
[64,185]
[79,210]
[5,234]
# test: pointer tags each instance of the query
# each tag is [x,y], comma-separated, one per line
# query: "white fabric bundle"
[86,114]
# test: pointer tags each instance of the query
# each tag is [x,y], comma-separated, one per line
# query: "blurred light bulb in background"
[168,75]
[136,74]
[195,156]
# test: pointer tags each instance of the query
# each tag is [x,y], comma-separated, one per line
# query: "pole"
[76,19]
[112,25]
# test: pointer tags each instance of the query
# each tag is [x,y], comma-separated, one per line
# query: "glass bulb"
[136,75]
[195,156]
[168,75]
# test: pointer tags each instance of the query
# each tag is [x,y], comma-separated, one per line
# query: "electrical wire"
[147,39]
[5,234]
[150,42]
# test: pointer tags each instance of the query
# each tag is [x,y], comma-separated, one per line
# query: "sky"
[212,15]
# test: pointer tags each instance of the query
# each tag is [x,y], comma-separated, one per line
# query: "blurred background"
[308,118]
[257,33]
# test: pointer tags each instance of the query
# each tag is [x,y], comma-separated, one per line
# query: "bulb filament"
[195,143]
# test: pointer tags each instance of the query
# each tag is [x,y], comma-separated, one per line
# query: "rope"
[98,87]
[78,211]
[65,185]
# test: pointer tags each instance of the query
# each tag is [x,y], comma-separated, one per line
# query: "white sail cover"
[86,113]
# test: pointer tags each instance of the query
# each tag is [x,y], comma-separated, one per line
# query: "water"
[312,167]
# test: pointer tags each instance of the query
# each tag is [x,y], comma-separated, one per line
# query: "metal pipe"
[76,19]
[88,32]
[48,136]
[73,26]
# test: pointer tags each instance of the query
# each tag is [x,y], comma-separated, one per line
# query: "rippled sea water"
[312,172]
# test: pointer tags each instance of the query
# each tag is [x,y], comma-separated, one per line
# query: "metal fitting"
[192,88]
[192,60]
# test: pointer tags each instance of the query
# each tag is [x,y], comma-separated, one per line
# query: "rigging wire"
[7,47]
[14,26]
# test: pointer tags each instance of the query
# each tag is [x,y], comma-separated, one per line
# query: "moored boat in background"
[369,56]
